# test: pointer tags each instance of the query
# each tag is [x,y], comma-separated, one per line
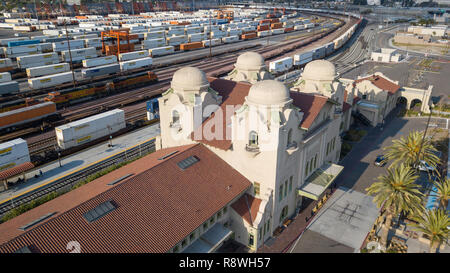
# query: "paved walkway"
[79,160]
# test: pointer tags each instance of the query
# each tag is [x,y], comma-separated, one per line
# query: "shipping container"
[288,29]
[214,42]
[133,55]
[198,37]
[277,31]
[50,80]
[248,36]
[99,61]
[10,87]
[4,42]
[154,35]
[281,65]
[303,58]
[6,63]
[79,54]
[263,27]
[64,45]
[230,39]
[12,51]
[37,58]
[139,63]
[108,69]
[47,70]
[177,40]
[329,48]
[319,53]
[152,43]
[264,33]
[276,25]
[25,42]
[85,130]
[27,114]
[190,46]
[13,153]
[161,51]
[5,77]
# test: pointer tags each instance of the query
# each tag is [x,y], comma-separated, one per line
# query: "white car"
[425,167]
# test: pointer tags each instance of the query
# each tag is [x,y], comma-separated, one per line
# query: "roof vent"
[186,163]
[99,211]
[167,155]
[37,221]
[119,179]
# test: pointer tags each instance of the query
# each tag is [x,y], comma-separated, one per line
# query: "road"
[348,215]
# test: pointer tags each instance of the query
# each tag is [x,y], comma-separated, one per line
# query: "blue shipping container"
[26,42]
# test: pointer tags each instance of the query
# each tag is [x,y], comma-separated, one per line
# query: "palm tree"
[397,192]
[408,149]
[442,192]
[434,223]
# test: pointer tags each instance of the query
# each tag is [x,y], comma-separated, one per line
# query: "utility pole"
[70,53]
[210,34]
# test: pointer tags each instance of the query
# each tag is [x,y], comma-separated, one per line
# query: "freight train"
[286,64]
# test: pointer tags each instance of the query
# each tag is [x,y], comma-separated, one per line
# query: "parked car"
[425,167]
[380,161]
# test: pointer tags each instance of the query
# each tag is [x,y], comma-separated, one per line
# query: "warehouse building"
[386,55]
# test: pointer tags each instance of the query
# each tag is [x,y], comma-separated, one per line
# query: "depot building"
[236,159]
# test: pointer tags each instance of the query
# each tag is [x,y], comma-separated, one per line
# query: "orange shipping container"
[27,114]
[81,17]
[189,46]
[262,28]
[276,25]
[248,36]
[264,22]
[274,20]
[288,29]
[112,49]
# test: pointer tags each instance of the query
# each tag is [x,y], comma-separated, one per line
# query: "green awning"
[320,180]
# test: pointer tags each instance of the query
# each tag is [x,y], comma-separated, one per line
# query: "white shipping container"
[154,34]
[281,65]
[5,77]
[133,55]
[79,54]
[231,39]
[177,40]
[5,63]
[161,51]
[303,58]
[37,58]
[63,45]
[22,49]
[47,70]
[214,42]
[50,80]
[277,31]
[85,130]
[133,64]
[13,153]
[264,33]
[46,47]
[4,42]
[99,61]
[147,44]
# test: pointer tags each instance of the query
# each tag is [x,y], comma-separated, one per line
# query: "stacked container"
[79,55]
[13,153]
[100,61]
[161,51]
[37,60]
[133,55]
[47,70]
[134,64]
[50,80]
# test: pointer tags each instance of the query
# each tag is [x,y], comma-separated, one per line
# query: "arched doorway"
[416,105]
[402,101]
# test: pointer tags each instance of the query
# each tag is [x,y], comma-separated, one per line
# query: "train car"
[152,109]
[69,96]
[281,65]
[8,88]
[109,69]
[13,153]
[191,46]
[248,36]
[16,104]
[303,58]
[161,51]
[28,116]
[126,82]
[85,130]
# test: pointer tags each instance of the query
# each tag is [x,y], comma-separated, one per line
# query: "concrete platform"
[79,160]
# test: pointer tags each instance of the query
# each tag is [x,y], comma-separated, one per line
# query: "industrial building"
[386,55]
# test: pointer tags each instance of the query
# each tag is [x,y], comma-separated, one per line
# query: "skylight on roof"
[99,211]
[167,155]
[186,163]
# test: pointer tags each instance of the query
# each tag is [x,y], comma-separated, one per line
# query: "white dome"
[268,92]
[319,70]
[250,61]
[189,79]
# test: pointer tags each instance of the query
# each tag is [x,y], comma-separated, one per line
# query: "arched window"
[175,117]
[253,139]
[284,214]
[289,137]
[307,169]
[315,161]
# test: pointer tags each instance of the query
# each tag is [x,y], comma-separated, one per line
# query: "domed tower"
[249,67]
[182,105]
[319,77]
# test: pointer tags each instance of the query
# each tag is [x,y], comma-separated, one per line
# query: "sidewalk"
[79,160]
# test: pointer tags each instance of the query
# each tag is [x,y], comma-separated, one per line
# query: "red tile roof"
[234,93]
[156,207]
[19,169]
[381,83]
[310,105]
[247,207]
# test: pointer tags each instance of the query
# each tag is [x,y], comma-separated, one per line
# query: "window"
[219,214]
[311,165]
[280,195]
[290,183]
[192,237]
[283,214]
[211,221]
[260,234]
[251,239]
[205,226]
[364,97]
[184,243]
[285,188]
[256,187]
[224,210]
[268,225]
[315,161]
[328,147]
[175,117]
[253,139]
[307,168]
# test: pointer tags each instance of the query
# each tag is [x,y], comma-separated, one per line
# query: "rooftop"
[381,83]
[158,202]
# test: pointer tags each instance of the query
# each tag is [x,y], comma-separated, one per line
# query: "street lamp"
[59,158]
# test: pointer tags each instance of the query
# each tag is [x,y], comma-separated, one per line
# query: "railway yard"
[78,102]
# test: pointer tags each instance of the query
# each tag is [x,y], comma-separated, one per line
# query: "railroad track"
[68,181]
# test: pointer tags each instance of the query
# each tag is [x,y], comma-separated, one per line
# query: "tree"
[434,223]
[408,150]
[397,192]
[442,192]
